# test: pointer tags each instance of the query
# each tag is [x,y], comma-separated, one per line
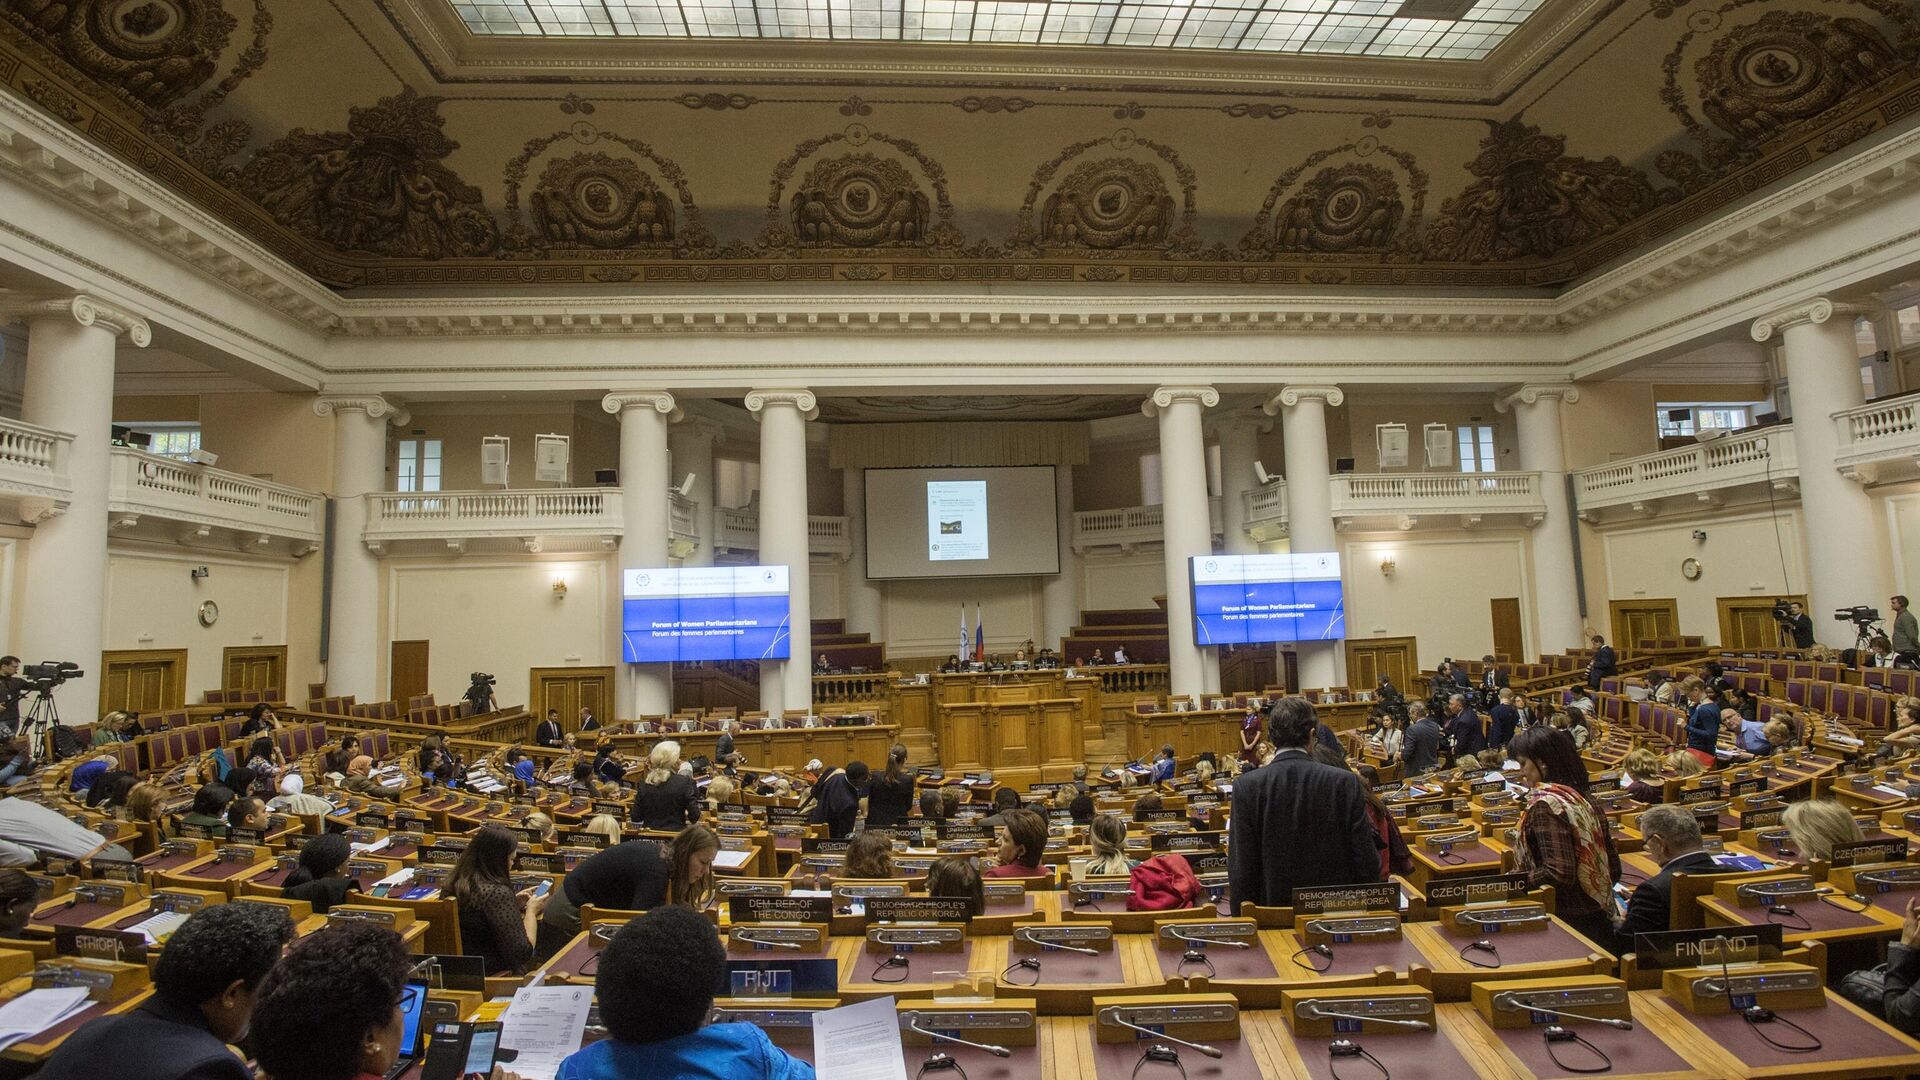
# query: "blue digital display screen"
[1242,599]
[705,613]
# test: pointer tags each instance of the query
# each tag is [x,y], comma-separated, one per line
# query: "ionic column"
[644,416]
[354,634]
[1239,435]
[1060,594]
[1185,529]
[1537,410]
[690,446]
[783,414]
[1823,377]
[69,388]
[1303,430]
[863,596]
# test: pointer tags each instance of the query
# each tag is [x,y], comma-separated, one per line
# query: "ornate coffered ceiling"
[367,144]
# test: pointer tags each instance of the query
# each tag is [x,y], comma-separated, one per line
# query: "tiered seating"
[272,695]
[1142,633]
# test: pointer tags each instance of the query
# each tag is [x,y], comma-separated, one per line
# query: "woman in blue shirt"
[655,984]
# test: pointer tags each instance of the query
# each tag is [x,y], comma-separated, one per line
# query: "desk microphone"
[771,942]
[913,1024]
[1027,936]
[1112,1016]
[1515,1001]
[1320,1012]
[1231,943]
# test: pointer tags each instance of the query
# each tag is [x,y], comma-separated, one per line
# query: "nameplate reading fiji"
[1381,896]
[947,909]
[1476,890]
[795,909]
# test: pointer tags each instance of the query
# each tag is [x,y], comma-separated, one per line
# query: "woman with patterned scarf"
[1564,839]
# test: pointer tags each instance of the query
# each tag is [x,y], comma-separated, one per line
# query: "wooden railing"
[1141,680]
[839,689]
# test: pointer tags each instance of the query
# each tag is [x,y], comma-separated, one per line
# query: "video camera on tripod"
[44,676]
[40,725]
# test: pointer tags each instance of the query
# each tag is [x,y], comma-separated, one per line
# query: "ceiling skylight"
[1356,27]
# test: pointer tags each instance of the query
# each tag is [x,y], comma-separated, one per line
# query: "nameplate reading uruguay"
[1862,852]
[919,909]
[798,909]
[1476,890]
[1380,896]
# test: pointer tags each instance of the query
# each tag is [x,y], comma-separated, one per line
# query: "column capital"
[1530,393]
[696,428]
[87,311]
[802,400]
[619,401]
[375,406]
[1164,397]
[1814,309]
[1290,396]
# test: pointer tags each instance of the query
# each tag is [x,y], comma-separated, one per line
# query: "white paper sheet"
[543,1025]
[859,1042]
[37,1010]
[731,860]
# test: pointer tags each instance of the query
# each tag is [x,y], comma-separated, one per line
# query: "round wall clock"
[1690,569]
[209,613]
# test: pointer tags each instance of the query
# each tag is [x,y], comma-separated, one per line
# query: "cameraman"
[12,689]
[480,692]
[1797,622]
[1906,630]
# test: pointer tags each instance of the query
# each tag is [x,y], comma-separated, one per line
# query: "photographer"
[480,692]
[1796,623]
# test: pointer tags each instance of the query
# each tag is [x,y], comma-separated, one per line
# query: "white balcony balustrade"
[739,529]
[1369,500]
[33,472]
[1745,464]
[1880,441]
[160,498]
[558,519]
[1266,511]
[1126,528]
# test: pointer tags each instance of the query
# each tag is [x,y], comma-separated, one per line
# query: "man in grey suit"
[1297,823]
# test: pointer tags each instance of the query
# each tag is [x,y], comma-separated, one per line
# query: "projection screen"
[961,522]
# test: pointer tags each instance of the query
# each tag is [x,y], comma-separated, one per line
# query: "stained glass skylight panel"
[1349,27]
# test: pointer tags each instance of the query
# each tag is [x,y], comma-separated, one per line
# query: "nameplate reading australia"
[125,946]
[1708,947]
[1475,890]
[1753,785]
[1379,896]
[919,909]
[115,869]
[796,909]
[1862,852]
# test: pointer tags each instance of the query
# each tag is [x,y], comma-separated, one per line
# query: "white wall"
[500,616]
[922,618]
[1740,557]
[1440,591]
[1122,582]
[153,602]
[829,584]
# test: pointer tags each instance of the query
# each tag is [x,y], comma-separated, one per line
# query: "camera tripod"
[36,727]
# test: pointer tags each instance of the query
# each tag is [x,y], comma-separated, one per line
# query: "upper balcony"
[160,498]
[1126,528]
[1378,500]
[739,529]
[1757,463]
[1880,441]
[556,519]
[1266,508]
[33,472]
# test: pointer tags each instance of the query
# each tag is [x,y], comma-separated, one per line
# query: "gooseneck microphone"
[1112,1016]
[1515,1001]
[1230,943]
[913,1024]
[1321,1012]
[1027,936]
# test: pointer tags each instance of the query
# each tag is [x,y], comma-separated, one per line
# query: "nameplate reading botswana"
[800,909]
[948,909]
[1862,852]
[1476,890]
[1381,896]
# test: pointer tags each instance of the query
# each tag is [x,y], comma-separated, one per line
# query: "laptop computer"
[413,1007]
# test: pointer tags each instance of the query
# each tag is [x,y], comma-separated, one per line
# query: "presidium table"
[1024,726]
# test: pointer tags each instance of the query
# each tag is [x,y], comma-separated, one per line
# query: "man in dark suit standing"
[1467,731]
[1297,823]
[1504,718]
[1672,837]
[1605,664]
[548,734]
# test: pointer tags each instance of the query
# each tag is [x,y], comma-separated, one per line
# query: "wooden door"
[1635,621]
[570,689]
[1509,640]
[1370,658]
[406,671]
[142,680]
[255,667]
[1746,622]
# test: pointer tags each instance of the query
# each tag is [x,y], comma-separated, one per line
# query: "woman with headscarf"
[1564,839]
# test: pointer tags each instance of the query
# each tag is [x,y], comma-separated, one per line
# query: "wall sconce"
[1388,566]
[559,587]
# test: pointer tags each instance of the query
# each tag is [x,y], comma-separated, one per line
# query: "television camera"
[42,719]
[1863,619]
